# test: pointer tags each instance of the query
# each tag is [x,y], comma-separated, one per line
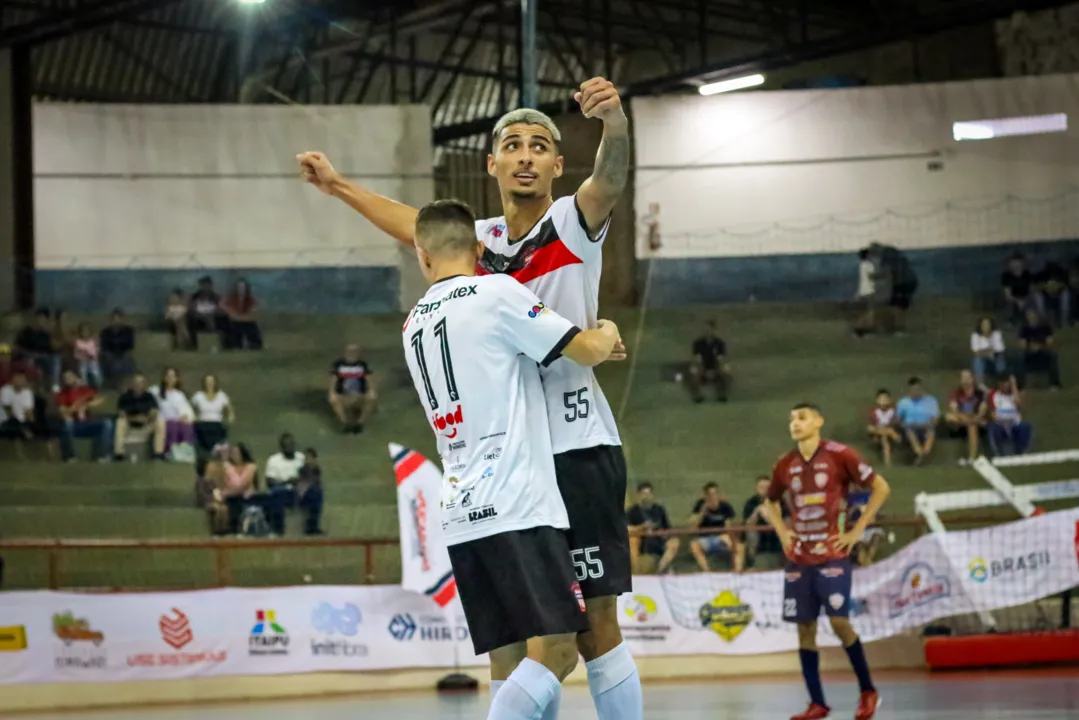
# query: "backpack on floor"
[253,522]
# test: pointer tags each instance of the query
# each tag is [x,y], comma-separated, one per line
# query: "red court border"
[1004,650]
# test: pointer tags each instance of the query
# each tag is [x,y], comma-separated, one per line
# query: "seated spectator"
[645,516]
[76,402]
[864,552]
[764,551]
[882,422]
[1008,432]
[176,412]
[1017,283]
[9,366]
[17,405]
[1053,284]
[282,472]
[176,320]
[1036,339]
[240,480]
[709,364]
[710,513]
[35,342]
[87,356]
[117,347]
[918,414]
[966,413]
[241,308]
[204,313]
[309,492]
[138,413]
[213,414]
[987,348]
[63,341]
[352,395]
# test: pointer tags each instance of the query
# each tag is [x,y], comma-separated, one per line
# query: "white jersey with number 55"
[560,263]
[473,346]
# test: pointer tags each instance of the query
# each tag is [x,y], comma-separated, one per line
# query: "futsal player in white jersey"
[474,346]
[554,247]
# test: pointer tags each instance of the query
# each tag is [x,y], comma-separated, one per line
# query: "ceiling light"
[730,85]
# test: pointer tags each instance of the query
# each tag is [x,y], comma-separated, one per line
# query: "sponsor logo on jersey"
[485,513]
[576,589]
[466,499]
[537,310]
[493,455]
[796,469]
[796,484]
[811,513]
[487,474]
[463,291]
[726,615]
[459,445]
[496,230]
[449,421]
[810,499]
[821,466]
[808,527]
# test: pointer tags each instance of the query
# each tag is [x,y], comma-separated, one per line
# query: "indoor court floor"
[983,696]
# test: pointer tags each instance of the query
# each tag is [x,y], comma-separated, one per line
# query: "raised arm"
[391,217]
[598,194]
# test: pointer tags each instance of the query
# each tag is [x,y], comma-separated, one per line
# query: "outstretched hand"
[599,98]
[315,168]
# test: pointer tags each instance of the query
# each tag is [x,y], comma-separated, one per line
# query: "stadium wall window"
[1006,127]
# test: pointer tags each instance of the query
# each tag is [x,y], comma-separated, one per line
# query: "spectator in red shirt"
[966,413]
[75,402]
[241,329]
[882,422]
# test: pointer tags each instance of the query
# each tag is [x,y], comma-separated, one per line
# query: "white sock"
[551,711]
[616,686]
[496,685]
[526,693]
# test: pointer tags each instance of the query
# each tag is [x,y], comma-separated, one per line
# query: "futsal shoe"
[813,712]
[867,705]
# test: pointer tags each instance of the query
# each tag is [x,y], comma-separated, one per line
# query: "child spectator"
[213,412]
[176,320]
[176,411]
[87,357]
[987,348]
[240,307]
[309,490]
[1006,427]
[882,422]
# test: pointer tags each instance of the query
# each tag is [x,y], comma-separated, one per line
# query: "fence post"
[221,555]
[54,568]
[369,563]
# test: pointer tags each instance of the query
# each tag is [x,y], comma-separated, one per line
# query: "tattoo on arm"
[612,163]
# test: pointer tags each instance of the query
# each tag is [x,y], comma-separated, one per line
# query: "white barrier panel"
[76,637]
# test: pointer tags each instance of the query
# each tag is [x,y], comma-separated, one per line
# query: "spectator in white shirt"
[174,408]
[987,347]
[213,414]
[17,410]
[282,473]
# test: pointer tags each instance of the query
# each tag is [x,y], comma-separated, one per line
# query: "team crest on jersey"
[836,600]
[821,479]
[537,310]
[796,484]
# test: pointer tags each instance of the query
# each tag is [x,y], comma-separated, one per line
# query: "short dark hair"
[310,452]
[807,406]
[764,477]
[710,486]
[118,311]
[446,227]
[644,486]
[914,380]
[884,391]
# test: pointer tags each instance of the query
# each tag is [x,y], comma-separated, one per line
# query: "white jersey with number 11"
[473,344]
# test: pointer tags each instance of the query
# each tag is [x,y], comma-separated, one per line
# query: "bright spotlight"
[730,85]
[250,2]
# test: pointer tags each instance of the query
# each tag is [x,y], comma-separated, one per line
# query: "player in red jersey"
[817,476]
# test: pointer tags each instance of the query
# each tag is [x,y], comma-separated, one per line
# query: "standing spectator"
[764,550]
[645,516]
[309,490]
[918,414]
[35,341]
[1008,433]
[894,274]
[117,348]
[76,402]
[1017,284]
[87,355]
[213,414]
[204,313]
[352,395]
[1053,284]
[1036,339]
[966,413]
[241,308]
[282,473]
[138,412]
[882,421]
[176,320]
[709,364]
[710,513]
[868,293]
[176,412]
[17,405]
[987,348]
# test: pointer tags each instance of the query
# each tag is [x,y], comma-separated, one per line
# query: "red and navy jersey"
[817,489]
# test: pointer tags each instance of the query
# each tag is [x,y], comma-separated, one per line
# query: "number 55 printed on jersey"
[576,401]
[586,564]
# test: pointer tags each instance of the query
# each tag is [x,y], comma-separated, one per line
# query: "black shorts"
[902,295]
[517,585]
[593,486]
